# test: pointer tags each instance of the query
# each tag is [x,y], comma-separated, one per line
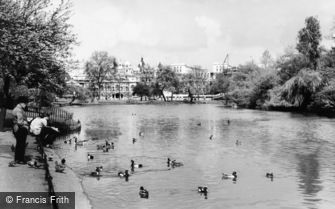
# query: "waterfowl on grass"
[143,193]
[89,156]
[228,176]
[99,168]
[141,134]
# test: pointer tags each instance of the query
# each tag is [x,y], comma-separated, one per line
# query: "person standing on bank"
[20,128]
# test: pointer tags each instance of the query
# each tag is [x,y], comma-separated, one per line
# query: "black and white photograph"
[167,104]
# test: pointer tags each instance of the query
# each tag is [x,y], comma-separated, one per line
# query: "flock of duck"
[143,193]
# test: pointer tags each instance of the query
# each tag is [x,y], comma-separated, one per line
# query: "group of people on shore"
[37,127]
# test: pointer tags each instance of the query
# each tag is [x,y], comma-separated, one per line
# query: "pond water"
[298,149]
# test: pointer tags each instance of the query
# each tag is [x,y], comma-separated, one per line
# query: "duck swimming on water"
[124,174]
[227,176]
[133,165]
[143,193]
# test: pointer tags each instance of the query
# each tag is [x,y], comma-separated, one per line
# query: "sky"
[194,32]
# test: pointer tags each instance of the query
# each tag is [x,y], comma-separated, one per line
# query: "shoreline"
[69,182]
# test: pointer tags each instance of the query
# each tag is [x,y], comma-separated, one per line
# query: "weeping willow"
[300,88]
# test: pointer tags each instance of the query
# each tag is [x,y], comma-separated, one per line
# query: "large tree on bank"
[35,40]
[99,68]
[309,39]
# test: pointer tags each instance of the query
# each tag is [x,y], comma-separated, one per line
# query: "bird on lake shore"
[134,140]
[143,193]
[141,134]
[211,137]
[59,167]
[99,168]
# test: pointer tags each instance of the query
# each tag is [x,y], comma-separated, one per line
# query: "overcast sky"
[195,32]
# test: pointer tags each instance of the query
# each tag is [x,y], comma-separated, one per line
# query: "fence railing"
[58,117]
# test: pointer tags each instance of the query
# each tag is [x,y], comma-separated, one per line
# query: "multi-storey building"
[120,86]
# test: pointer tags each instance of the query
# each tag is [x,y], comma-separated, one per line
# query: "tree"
[166,79]
[98,69]
[141,90]
[289,64]
[35,42]
[220,84]
[309,39]
[299,90]
[266,59]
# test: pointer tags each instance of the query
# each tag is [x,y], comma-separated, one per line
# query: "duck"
[199,124]
[228,176]
[89,156]
[96,174]
[99,168]
[133,165]
[12,164]
[202,190]
[31,163]
[143,193]
[174,163]
[134,140]
[269,175]
[168,162]
[59,167]
[211,137]
[108,144]
[141,134]
[12,148]
[124,174]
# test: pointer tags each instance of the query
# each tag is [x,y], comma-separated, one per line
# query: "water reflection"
[295,148]
[309,174]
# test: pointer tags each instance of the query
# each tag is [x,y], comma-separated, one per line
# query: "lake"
[298,149]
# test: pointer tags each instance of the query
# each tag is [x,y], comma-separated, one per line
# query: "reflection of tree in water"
[309,174]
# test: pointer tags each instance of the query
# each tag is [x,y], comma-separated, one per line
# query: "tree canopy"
[99,68]
[35,44]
